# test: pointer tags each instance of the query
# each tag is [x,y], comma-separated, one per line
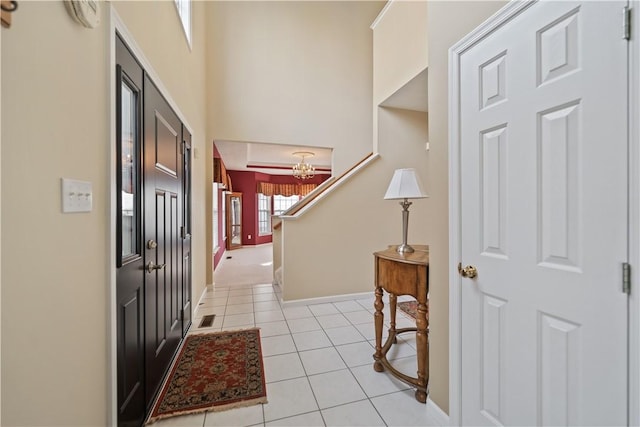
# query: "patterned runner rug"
[213,372]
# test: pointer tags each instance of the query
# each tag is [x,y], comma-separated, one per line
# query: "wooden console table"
[403,274]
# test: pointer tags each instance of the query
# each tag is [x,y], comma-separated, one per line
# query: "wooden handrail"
[278,224]
[321,189]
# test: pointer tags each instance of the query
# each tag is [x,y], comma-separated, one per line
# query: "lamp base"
[404,249]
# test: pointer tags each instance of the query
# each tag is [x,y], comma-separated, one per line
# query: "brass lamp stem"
[404,247]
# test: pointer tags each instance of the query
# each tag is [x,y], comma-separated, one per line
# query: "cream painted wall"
[399,47]
[55,275]
[55,295]
[355,221]
[293,72]
[448,22]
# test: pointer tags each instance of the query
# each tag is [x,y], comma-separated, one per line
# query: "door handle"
[151,267]
[470,272]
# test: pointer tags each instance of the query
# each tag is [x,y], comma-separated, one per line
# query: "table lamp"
[405,185]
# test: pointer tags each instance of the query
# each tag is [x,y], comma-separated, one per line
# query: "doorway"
[153,274]
[234,220]
[540,211]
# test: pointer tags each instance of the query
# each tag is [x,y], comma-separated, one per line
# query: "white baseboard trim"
[323,300]
[437,414]
[204,291]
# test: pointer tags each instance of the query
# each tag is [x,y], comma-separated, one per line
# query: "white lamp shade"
[405,184]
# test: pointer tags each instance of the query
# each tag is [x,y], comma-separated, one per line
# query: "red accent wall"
[245,182]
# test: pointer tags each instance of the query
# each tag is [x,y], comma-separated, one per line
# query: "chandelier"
[302,169]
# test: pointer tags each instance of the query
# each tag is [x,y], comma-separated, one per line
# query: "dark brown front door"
[153,276]
[130,247]
[163,242]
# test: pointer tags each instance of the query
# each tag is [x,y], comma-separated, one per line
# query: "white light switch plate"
[77,196]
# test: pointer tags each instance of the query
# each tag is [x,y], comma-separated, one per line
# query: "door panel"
[163,219]
[543,215]
[129,269]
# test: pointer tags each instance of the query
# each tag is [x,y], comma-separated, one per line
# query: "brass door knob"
[151,267]
[469,271]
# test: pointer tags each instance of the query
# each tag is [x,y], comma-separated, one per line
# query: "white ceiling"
[275,159]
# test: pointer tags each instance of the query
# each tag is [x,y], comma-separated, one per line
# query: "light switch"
[77,196]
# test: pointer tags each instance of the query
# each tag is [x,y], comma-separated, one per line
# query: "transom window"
[184,10]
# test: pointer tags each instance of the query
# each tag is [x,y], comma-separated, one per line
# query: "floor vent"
[207,321]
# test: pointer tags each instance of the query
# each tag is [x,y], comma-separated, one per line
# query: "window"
[264,215]
[282,203]
[223,211]
[215,217]
[184,10]
[128,182]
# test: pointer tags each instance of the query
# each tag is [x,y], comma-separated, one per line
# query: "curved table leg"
[379,320]
[423,351]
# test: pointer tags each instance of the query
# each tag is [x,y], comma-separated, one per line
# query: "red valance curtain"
[270,189]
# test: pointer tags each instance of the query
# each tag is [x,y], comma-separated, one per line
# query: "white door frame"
[455,244]
[634,216]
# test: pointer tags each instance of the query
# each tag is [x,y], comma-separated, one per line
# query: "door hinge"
[183,233]
[626,23]
[182,314]
[626,278]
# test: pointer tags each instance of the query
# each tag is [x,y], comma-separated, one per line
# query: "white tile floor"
[318,363]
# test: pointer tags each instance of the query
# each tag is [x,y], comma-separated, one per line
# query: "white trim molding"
[634,216]
[436,414]
[381,15]
[202,295]
[327,299]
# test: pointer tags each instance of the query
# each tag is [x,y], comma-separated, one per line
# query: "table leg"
[378,320]
[423,351]
[393,302]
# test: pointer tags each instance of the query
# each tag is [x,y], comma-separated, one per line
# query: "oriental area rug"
[213,372]
[410,308]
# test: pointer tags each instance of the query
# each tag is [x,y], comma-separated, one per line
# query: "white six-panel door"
[543,217]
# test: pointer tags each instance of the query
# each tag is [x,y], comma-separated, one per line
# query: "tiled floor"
[318,363]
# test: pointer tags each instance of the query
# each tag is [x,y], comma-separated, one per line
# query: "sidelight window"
[129,170]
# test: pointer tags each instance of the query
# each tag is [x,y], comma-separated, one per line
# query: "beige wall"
[55,275]
[355,221]
[399,47]
[448,22]
[55,295]
[293,72]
